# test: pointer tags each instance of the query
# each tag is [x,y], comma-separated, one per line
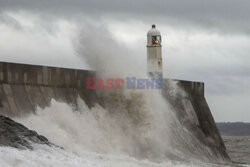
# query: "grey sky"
[203,40]
[227,14]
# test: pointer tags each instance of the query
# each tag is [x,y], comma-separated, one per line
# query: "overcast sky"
[203,40]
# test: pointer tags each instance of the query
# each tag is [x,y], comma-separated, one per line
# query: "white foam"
[44,156]
[134,123]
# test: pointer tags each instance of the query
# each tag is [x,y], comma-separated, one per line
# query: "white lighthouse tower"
[154,54]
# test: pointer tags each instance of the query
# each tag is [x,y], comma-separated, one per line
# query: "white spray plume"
[107,56]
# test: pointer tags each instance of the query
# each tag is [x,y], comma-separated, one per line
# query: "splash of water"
[133,123]
[129,125]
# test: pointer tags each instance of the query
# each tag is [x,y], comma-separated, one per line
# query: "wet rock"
[16,135]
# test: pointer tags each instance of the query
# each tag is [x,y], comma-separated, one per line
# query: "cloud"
[27,39]
[223,15]
[202,40]
[230,108]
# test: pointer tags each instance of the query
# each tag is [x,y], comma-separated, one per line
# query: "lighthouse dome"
[153,37]
[153,32]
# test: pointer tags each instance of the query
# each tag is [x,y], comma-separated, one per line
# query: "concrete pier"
[24,87]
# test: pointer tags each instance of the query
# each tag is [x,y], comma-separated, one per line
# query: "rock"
[16,135]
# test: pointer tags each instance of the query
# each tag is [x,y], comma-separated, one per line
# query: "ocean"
[45,156]
[238,148]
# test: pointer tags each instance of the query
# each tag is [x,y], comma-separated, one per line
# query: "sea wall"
[24,87]
[188,100]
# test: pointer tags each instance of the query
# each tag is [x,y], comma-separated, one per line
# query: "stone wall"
[24,87]
[187,100]
[12,73]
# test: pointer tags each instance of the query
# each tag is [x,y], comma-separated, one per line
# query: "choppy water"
[238,148]
[44,156]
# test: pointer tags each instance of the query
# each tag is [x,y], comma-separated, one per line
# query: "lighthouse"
[154,53]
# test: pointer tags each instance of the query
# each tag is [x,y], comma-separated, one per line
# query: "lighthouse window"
[156,39]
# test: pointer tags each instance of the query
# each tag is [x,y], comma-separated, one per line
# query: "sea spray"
[134,123]
[129,125]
